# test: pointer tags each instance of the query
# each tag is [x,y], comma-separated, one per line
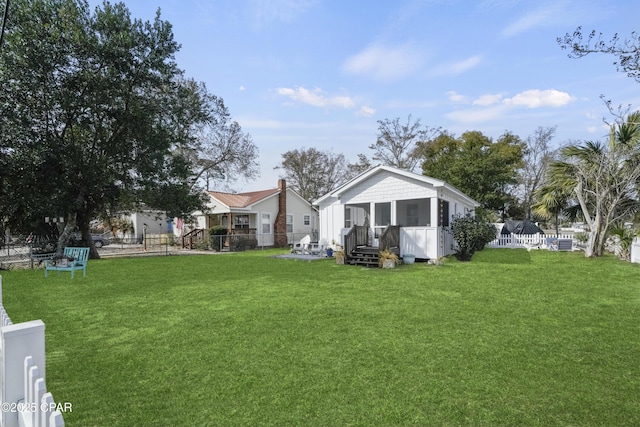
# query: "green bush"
[471,234]
[214,233]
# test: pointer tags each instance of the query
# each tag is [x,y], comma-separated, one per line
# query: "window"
[266,223]
[289,223]
[306,219]
[356,215]
[414,213]
[240,221]
[383,214]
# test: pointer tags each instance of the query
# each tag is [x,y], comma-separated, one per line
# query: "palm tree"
[551,201]
[602,178]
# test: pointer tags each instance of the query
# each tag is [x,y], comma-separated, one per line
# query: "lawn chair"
[74,259]
[302,247]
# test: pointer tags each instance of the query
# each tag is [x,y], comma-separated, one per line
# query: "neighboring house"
[277,216]
[421,206]
[146,220]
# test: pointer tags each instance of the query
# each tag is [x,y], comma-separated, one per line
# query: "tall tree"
[221,152]
[602,178]
[475,164]
[94,115]
[626,50]
[313,173]
[535,161]
[398,145]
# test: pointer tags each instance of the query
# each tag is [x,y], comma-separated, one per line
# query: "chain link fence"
[20,254]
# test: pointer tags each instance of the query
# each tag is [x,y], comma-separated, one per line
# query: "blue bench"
[80,257]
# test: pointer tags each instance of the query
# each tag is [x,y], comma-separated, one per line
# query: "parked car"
[99,240]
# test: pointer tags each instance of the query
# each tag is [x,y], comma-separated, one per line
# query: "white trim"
[367,174]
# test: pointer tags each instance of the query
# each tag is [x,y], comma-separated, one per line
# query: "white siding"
[384,187]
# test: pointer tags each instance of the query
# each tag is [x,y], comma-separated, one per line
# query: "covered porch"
[415,226]
[240,223]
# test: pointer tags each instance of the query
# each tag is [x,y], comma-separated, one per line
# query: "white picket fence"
[635,250]
[24,400]
[527,241]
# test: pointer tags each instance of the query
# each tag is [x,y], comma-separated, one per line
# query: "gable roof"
[403,173]
[242,200]
[248,199]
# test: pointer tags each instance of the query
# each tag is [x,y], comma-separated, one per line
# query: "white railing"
[525,240]
[24,401]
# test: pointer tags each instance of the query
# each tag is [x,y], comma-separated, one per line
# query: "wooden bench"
[80,258]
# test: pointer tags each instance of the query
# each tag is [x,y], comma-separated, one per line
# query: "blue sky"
[321,73]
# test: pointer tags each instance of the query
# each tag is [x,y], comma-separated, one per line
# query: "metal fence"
[22,255]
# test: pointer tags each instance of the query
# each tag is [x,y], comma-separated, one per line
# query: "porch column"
[434,214]
[394,212]
[372,215]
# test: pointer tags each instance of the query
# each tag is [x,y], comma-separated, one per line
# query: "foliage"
[600,179]
[215,232]
[221,151]
[626,50]
[387,255]
[623,239]
[536,158]
[496,342]
[476,165]
[363,165]
[111,118]
[399,145]
[471,234]
[313,173]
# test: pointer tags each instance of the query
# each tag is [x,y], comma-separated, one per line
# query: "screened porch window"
[356,215]
[414,213]
[383,214]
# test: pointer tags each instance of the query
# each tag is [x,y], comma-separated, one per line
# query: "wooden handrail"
[357,236]
[192,237]
[390,237]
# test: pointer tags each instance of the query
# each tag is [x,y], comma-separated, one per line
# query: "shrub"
[214,233]
[471,234]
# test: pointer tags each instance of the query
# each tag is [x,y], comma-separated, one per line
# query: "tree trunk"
[86,236]
[69,226]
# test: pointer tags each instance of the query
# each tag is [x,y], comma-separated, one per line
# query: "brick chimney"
[280,225]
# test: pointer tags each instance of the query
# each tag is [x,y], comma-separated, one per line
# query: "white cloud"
[241,88]
[366,111]
[385,63]
[316,98]
[467,64]
[455,96]
[547,14]
[489,99]
[474,116]
[536,98]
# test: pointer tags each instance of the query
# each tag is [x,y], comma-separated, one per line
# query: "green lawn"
[513,338]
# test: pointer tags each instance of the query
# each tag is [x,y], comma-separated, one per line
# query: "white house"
[276,216]
[421,206]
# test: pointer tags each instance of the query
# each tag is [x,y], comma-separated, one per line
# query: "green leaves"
[471,234]
[475,164]
[95,110]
